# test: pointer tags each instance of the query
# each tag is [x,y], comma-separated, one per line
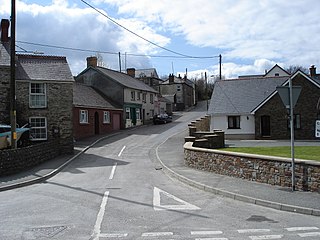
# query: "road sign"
[318,128]
[284,93]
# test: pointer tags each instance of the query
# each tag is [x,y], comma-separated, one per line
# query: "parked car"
[5,136]
[161,118]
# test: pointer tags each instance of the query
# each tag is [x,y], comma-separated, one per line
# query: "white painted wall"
[247,125]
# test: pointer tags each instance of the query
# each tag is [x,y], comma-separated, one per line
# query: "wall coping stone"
[188,146]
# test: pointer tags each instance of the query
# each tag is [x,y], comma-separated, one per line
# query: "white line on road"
[253,230]
[97,226]
[156,234]
[206,232]
[211,239]
[124,147]
[113,235]
[310,234]
[292,229]
[113,171]
[265,237]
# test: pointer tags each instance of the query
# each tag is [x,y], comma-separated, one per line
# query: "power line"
[139,36]
[113,53]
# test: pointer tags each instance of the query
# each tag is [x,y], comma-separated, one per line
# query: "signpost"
[289,96]
[318,129]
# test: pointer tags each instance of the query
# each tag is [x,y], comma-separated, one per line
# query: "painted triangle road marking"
[182,206]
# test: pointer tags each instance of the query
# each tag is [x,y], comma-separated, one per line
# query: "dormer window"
[276,74]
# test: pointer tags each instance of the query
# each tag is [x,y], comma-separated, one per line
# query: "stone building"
[44,93]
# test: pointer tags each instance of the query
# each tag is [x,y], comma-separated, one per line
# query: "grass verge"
[302,152]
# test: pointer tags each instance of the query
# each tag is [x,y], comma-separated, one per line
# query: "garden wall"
[263,169]
[17,160]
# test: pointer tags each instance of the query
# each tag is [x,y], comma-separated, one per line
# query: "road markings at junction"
[113,235]
[156,234]
[120,153]
[113,171]
[97,226]
[182,206]
[310,234]
[265,237]
[293,229]
[253,230]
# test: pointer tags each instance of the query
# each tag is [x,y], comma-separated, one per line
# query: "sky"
[251,35]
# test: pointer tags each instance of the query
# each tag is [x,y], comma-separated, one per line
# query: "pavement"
[171,159]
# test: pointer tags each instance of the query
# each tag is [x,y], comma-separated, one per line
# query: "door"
[133,116]
[96,123]
[116,121]
[265,126]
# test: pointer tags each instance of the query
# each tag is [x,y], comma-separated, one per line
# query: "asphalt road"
[116,190]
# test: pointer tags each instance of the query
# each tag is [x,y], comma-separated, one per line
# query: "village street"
[116,190]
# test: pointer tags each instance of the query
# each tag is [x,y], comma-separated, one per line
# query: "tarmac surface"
[171,159]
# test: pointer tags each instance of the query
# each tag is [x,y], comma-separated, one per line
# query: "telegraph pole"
[220,65]
[13,116]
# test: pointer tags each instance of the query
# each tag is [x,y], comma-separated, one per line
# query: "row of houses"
[250,107]
[97,101]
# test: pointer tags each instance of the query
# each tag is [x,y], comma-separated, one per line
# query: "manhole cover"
[42,232]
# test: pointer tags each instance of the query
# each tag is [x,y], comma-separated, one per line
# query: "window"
[178,88]
[38,128]
[127,113]
[144,97]
[133,95]
[296,121]
[234,122]
[83,116]
[37,97]
[151,98]
[138,116]
[106,117]
[139,96]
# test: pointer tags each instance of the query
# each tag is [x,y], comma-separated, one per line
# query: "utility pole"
[120,61]
[220,66]
[293,185]
[205,77]
[13,121]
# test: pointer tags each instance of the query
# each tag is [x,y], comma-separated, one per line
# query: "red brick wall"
[83,130]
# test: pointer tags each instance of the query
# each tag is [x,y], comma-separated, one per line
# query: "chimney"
[92,61]
[131,72]
[313,72]
[5,30]
[171,78]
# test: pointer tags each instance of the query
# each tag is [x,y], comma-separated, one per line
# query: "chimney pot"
[92,61]
[5,30]
[131,72]
[313,72]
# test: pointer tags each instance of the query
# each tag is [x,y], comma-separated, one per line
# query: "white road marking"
[113,171]
[113,235]
[310,234]
[97,226]
[253,230]
[157,205]
[292,229]
[156,234]
[124,147]
[206,232]
[265,237]
[211,239]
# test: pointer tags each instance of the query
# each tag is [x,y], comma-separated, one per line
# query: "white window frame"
[144,97]
[128,115]
[133,95]
[138,114]
[139,96]
[83,116]
[37,99]
[38,132]
[106,117]
[151,98]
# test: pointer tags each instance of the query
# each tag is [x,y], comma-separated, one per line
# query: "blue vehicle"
[5,136]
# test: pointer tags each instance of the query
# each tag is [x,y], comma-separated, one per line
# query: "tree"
[293,68]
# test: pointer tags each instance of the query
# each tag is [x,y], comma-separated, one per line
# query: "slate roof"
[85,96]
[43,68]
[150,72]
[241,96]
[5,54]
[179,80]
[125,80]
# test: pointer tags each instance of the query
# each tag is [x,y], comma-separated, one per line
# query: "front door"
[96,123]
[265,126]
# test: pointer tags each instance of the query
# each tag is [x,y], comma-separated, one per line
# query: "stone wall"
[263,169]
[16,160]
[4,95]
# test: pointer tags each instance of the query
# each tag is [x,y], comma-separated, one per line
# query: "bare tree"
[293,68]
